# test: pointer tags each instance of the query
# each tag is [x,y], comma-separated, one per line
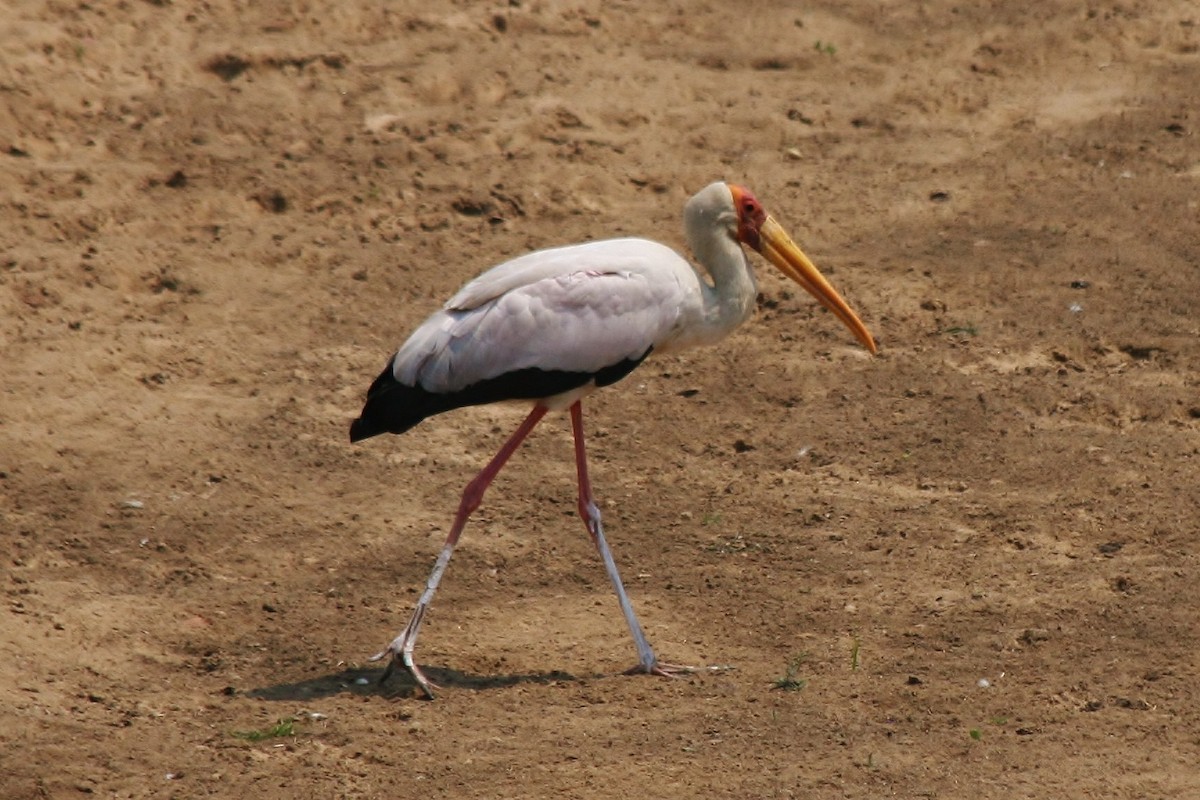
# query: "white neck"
[730,300]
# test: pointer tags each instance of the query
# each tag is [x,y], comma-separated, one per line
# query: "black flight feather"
[393,407]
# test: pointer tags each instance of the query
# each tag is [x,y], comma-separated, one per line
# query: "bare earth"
[966,568]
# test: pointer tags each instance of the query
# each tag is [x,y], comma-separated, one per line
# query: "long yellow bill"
[780,250]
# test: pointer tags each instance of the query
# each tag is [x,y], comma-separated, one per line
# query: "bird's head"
[737,210]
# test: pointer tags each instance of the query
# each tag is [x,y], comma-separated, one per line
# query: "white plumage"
[574,309]
[554,325]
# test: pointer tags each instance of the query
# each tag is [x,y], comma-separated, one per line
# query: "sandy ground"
[965,568]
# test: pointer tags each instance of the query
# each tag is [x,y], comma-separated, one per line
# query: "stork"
[554,325]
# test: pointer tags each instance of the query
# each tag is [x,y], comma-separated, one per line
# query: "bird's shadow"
[366,682]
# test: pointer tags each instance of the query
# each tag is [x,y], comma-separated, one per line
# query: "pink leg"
[647,662]
[401,648]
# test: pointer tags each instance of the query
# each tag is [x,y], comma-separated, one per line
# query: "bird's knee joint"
[589,511]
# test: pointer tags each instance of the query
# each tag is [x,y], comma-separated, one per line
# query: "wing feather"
[579,309]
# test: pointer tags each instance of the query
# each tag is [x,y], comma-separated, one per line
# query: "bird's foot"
[673,670]
[661,669]
[402,655]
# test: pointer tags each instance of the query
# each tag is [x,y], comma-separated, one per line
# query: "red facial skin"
[751,216]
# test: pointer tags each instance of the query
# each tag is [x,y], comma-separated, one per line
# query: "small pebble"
[984,683]
[362,681]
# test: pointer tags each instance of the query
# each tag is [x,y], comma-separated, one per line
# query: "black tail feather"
[393,407]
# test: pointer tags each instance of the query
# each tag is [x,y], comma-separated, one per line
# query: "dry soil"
[964,568]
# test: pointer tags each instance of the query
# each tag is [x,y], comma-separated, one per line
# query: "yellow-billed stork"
[554,325]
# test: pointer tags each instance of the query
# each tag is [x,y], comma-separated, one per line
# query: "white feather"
[578,309]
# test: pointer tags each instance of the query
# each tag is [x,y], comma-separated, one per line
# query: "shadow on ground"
[368,682]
